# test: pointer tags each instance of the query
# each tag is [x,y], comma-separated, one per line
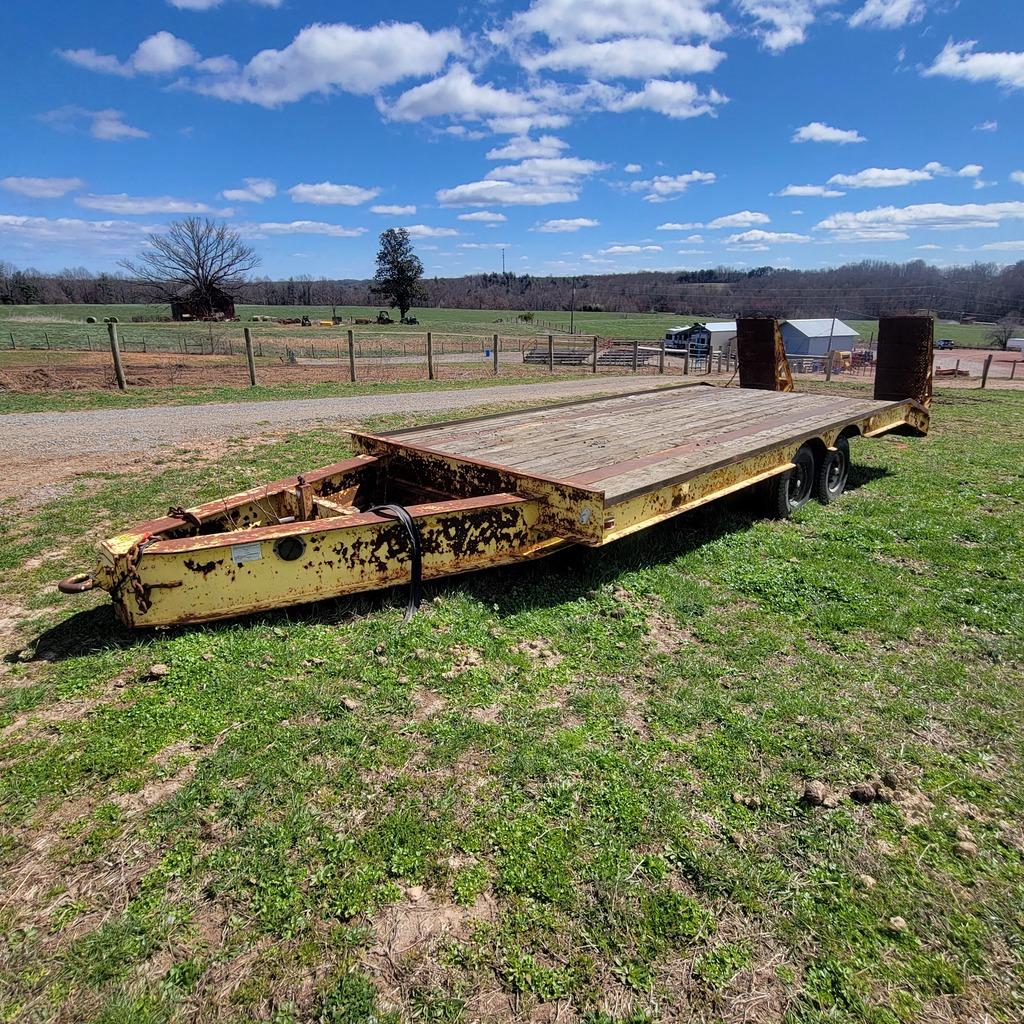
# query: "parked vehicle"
[945,343]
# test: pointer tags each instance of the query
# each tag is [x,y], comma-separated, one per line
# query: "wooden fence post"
[430,356]
[661,357]
[1013,369]
[250,358]
[494,355]
[828,366]
[686,360]
[595,354]
[551,353]
[986,368]
[636,354]
[351,357]
[13,345]
[115,352]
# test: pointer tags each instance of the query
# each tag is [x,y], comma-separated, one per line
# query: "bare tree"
[1002,333]
[197,256]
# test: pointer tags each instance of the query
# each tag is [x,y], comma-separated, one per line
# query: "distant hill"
[857,290]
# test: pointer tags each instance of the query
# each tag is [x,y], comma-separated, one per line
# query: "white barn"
[812,337]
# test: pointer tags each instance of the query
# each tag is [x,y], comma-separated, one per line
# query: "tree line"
[982,291]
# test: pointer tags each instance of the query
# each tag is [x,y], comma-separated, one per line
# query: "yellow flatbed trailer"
[473,494]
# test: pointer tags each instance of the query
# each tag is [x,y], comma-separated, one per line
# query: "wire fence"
[339,353]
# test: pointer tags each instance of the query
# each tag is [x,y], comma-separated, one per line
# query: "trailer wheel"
[833,472]
[792,490]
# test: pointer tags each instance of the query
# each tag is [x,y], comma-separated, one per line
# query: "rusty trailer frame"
[476,497]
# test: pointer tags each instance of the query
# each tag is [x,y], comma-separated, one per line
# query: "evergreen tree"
[399,270]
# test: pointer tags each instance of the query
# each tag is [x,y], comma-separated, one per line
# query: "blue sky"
[580,135]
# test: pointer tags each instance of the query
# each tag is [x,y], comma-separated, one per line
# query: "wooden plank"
[638,440]
[671,471]
[620,440]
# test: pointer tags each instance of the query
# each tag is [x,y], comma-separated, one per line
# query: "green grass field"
[65,325]
[571,791]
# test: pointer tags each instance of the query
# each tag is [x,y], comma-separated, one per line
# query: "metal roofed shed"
[816,337]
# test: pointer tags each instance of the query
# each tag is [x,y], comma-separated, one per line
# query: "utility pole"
[831,335]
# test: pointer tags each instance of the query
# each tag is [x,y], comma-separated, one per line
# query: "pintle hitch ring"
[77,584]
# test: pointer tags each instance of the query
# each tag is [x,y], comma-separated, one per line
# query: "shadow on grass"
[565,576]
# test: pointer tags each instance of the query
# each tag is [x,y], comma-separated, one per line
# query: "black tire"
[792,490]
[833,472]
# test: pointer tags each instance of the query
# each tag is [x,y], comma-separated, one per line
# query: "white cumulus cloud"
[484,217]
[504,193]
[523,146]
[897,177]
[888,13]
[678,100]
[965,61]
[880,177]
[133,205]
[817,131]
[254,190]
[743,219]
[207,5]
[811,190]
[427,231]
[757,239]
[893,222]
[628,250]
[457,94]
[41,188]
[664,187]
[159,54]
[782,23]
[107,125]
[392,210]
[302,227]
[567,20]
[567,225]
[323,58]
[326,193]
[632,57]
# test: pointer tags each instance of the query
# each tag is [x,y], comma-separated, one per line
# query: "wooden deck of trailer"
[628,444]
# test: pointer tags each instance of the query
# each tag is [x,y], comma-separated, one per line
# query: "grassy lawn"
[65,324]
[568,791]
[136,397]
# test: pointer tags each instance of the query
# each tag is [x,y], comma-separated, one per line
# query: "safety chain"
[131,561]
[182,513]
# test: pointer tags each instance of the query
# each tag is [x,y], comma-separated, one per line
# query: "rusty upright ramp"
[904,367]
[762,356]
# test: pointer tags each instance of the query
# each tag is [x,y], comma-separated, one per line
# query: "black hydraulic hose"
[399,513]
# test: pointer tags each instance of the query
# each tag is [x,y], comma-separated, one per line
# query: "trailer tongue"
[473,494]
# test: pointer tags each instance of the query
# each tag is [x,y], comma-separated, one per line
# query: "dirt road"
[43,449]
[120,430]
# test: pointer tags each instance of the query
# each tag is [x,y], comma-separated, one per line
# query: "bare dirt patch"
[92,371]
[539,651]
[407,934]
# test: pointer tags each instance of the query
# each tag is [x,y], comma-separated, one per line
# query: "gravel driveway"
[52,437]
